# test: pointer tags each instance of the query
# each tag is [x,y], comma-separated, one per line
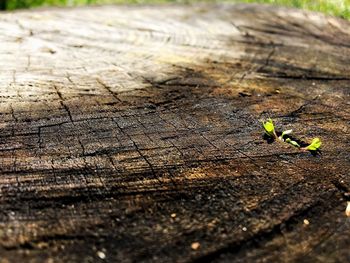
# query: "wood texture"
[130,133]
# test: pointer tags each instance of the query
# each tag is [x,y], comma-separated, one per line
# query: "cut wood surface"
[133,134]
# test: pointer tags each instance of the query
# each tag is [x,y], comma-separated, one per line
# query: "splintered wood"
[132,134]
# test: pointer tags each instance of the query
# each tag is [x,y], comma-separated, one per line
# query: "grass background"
[340,8]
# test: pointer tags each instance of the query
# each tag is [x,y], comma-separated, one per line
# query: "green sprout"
[294,143]
[271,132]
[315,145]
[288,140]
[285,133]
[269,128]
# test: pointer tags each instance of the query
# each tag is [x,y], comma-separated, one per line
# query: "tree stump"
[133,134]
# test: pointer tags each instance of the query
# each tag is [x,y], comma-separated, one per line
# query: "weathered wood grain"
[129,133]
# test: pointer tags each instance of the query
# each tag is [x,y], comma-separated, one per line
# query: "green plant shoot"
[294,143]
[285,133]
[315,145]
[270,131]
[269,128]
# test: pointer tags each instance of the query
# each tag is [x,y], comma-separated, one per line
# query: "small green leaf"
[294,143]
[285,133]
[315,144]
[269,128]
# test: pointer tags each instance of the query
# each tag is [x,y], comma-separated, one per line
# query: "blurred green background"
[340,8]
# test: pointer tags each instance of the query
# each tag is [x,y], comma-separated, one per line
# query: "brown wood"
[133,134]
